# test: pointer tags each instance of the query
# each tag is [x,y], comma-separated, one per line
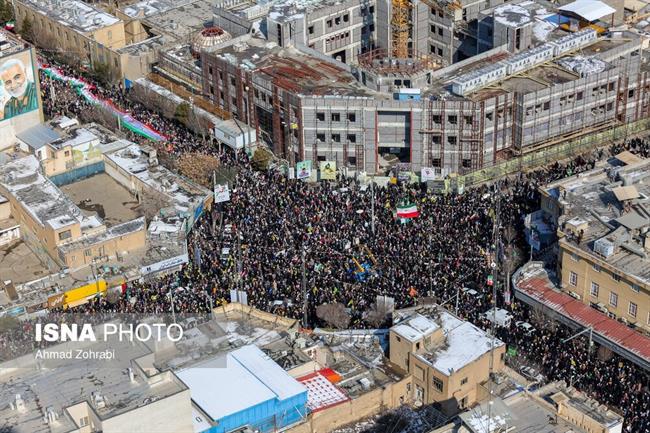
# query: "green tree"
[182,112]
[27,30]
[6,11]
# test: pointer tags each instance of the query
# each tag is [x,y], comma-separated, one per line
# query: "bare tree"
[604,353]
[334,315]
[377,315]
[543,321]
[198,167]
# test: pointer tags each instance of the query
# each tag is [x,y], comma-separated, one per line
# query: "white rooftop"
[590,10]
[416,328]
[76,14]
[248,377]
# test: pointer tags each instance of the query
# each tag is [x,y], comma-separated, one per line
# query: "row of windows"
[439,30]
[437,162]
[435,50]
[594,291]
[452,119]
[336,138]
[336,117]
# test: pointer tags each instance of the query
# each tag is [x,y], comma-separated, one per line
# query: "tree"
[604,353]
[102,72]
[334,315]
[377,315]
[198,167]
[151,202]
[182,112]
[6,12]
[27,30]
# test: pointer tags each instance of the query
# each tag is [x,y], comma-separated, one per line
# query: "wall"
[88,254]
[78,173]
[590,269]
[173,413]
[378,400]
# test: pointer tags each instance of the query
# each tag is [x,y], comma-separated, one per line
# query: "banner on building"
[328,170]
[427,174]
[81,294]
[221,193]
[303,170]
[165,264]
[56,301]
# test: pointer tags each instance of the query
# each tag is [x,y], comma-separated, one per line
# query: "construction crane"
[400,26]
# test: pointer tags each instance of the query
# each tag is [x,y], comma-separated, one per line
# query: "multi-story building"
[448,358]
[455,119]
[602,219]
[18,59]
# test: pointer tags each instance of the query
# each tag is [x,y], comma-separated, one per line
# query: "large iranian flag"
[408,211]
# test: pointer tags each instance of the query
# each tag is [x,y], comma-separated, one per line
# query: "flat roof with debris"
[608,206]
[73,13]
[47,204]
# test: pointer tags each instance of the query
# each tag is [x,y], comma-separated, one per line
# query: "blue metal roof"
[38,136]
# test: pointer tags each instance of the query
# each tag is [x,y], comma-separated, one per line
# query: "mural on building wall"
[18,89]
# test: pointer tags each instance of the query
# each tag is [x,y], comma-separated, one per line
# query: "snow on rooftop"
[590,10]
[481,423]
[464,344]
[46,203]
[416,328]
[75,13]
[513,15]
[248,377]
[582,65]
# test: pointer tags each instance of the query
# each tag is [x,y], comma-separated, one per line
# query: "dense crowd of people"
[277,221]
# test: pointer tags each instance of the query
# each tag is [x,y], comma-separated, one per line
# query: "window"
[83,421]
[209,70]
[88,253]
[352,117]
[65,235]
[66,153]
[320,137]
[336,117]
[436,118]
[436,162]
[616,277]
[595,267]
[574,257]
[352,138]
[211,89]
[310,29]
[469,120]
[336,138]
[337,20]
[594,289]
[371,9]
[452,119]
[417,346]
[440,51]
[346,18]
[488,116]
[613,299]
[631,309]
[579,96]
[437,384]
[451,140]
[463,381]
[439,31]
[329,23]
[352,160]
[573,278]
[232,81]
[433,28]
[320,116]
[467,163]
[611,87]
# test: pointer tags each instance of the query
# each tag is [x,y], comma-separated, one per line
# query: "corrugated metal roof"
[628,158]
[38,136]
[626,193]
[543,290]
[590,10]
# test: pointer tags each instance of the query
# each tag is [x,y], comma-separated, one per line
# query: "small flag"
[412,292]
[490,280]
[512,351]
[408,211]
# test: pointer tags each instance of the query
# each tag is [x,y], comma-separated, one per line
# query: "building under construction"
[363,82]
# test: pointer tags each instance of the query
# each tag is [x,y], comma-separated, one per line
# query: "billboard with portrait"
[19,91]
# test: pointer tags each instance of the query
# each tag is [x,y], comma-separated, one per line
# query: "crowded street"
[344,238]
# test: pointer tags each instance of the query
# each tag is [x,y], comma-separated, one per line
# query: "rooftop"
[74,13]
[147,8]
[183,20]
[10,44]
[46,203]
[462,344]
[135,160]
[64,383]
[250,377]
[605,220]
[532,283]
[291,69]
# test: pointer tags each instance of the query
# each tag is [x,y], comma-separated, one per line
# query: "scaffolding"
[401,28]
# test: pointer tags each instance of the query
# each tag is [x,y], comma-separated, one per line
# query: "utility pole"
[372,205]
[305,305]
[495,269]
